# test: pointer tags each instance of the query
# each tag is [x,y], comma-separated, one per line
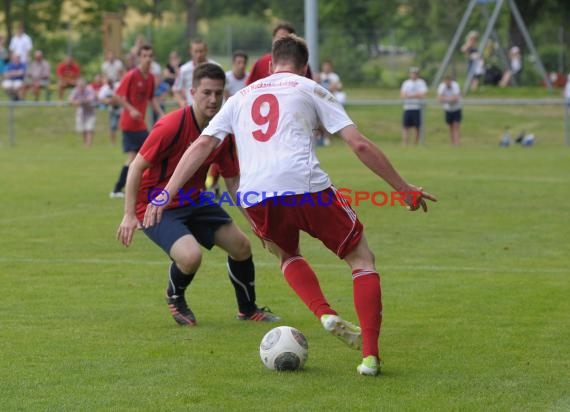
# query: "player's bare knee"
[190,262]
[241,248]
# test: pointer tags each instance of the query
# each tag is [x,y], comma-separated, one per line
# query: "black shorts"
[202,222]
[132,141]
[412,118]
[453,117]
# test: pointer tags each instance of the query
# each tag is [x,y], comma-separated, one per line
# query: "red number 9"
[271,116]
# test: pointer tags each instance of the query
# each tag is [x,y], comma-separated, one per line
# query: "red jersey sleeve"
[226,158]
[124,85]
[157,145]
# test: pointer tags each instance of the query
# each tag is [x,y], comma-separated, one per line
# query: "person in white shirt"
[284,190]
[413,91]
[21,44]
[331,81]
[183,83]
[449,93]
[236,77]
[112,67]
[515,67]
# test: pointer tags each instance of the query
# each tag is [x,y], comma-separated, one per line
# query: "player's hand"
[152,215]
[135,114]
[127,229]
[415,198]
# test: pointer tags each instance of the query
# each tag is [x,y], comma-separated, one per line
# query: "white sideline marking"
[430,268]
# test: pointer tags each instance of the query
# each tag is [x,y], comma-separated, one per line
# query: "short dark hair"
[144,47]
[239,53]
[284,26]
[290,49]
[208,71]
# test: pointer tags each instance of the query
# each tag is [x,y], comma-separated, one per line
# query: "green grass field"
[476,307]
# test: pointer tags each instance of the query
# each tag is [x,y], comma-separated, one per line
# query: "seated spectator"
[97,83]
[38,75]
[171,71]
[3,54]
[112,66]
[331,81]
[68,72]
[85,100]
[14,74]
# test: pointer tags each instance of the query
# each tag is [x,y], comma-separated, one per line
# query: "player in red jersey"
[135,91]
[191,220]
[262,67]
[273,120]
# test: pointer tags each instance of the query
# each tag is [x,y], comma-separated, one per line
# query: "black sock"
[242,276]
[178,281]
[122,179]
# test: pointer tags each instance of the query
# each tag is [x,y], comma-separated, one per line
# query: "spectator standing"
[413,91]
[112,66]
[172,68]
[475,62]
[106,96]
[134,93]
[515,67]
[449,93]
[14,74]
[84,98]
[68,72]
[21,44]
[161,89]
[38,75]
[237,76]
[331,81]
[262,67]
[183,82]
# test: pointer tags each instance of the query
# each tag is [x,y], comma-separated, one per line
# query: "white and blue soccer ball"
[284,349]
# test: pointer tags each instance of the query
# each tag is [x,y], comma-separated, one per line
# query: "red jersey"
[138,90]
[69,71]
[165,145]
[262,68]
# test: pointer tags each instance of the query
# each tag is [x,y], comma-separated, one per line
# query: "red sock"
[368,304]
[303,280]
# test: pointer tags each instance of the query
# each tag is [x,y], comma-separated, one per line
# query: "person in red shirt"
[135,91]
[190,221]
[262,67]
[68,72]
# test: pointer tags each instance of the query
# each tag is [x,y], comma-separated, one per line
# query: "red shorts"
[323,215]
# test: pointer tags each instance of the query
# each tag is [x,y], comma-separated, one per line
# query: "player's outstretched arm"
[376,160]
[192,159]
[130,223]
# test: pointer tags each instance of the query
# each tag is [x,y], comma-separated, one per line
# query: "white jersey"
[452,90]
[413,86]
[274,120]
[233,84]
[183,82]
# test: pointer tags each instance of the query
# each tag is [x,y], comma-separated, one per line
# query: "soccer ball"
[284,349]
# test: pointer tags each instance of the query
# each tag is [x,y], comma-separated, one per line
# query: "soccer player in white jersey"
[284,189]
